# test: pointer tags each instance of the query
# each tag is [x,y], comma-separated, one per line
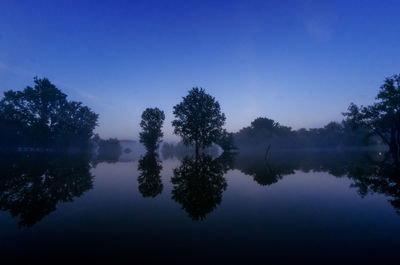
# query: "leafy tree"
[41,116]
[152,121]
[383,117]
[199,119]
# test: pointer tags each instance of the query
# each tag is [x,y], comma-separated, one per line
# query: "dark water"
[331,207]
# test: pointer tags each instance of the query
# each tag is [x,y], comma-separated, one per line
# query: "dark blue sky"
[298,62]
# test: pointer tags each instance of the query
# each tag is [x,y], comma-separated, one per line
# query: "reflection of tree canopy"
[198,185]
[279,164]
[369,170]
[150,184]
[264,172]
[32,185]
[378,178]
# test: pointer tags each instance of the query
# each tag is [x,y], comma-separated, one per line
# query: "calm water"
[318,207]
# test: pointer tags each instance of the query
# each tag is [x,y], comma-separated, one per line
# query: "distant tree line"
[180,150]
[108,150]
[263,132]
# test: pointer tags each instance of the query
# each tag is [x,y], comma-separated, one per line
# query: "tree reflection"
[264,172]
[379,178]
[150,184]
[32,185]
[369,171]
[199,184]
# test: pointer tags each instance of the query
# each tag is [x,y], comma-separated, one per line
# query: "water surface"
[294,207]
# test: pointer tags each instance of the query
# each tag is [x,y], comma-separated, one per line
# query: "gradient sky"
[298,62]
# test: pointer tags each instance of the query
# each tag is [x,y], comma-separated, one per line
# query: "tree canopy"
[152,121]
[198,119]
[382,117]
[41,116]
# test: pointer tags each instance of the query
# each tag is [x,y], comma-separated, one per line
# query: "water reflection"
[381,178]
[263,172]
[199,184]
[149,166]
[369,171]
[32,185]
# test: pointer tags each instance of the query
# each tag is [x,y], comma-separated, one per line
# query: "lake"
[293,207]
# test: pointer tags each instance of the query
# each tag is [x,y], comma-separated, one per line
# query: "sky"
[300,63]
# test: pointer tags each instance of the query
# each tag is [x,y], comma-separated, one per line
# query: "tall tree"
[382,117]
[199,119]
[152,121]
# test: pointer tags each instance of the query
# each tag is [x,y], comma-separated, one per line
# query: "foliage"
[109,150]
[199,119]
[152,121]
[264,132]
[383,117]
[226,141]
[180,150]
[41,116]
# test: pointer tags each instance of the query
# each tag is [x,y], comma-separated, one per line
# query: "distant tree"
[42,116]
[226,141]
[152,121]
[383,117]
[199,119]
[109,150]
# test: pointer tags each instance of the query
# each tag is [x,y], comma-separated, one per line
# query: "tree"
[109,150]
[152,121]
[41,116]
[199,119]
[382,117]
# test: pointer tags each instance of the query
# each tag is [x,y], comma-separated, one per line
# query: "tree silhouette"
[150,184]
[226,141]
[264,132]
[199,119]
[152,121]
[383,117]
[41,116]
[31,186]
[198,185]
[109,150]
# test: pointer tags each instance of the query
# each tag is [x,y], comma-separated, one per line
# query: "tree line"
[42,117]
